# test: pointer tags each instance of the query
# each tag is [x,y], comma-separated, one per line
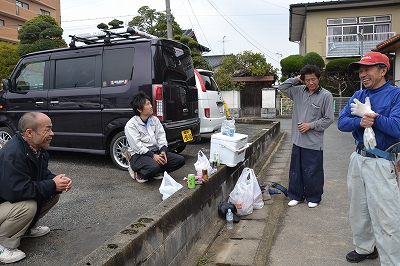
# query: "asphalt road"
[102,202]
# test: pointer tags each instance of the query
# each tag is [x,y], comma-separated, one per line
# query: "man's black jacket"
[22,175]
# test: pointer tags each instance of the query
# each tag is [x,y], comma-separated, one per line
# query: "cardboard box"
[231,150]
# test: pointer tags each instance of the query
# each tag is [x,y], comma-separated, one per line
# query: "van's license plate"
[187,135]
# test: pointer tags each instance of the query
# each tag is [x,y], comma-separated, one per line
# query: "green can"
[191,181]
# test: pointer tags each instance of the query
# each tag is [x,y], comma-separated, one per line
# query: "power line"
[236,29]
[201,30]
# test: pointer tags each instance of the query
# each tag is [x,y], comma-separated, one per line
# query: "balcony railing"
[350,45]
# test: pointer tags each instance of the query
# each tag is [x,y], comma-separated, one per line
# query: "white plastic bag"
[168,186]
[202,163]
[246,195]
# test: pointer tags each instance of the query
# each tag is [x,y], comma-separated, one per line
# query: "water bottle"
[229,220]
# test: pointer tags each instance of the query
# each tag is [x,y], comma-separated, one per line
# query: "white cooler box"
[231,150]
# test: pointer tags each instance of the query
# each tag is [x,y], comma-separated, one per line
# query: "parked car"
[211,103]
[85,91]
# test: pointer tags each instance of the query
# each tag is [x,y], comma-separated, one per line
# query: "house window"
[372,27]
[372,19]
[19,27]
[1,22]
[44,12]
[22,4]
[338,21]
[345,35]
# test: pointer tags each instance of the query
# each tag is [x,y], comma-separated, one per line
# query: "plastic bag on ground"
[246,195]
[168,186]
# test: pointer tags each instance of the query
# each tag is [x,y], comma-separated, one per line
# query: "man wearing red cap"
[372,176]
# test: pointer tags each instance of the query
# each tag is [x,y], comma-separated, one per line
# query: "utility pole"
[169,20]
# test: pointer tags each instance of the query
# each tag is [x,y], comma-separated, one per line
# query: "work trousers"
[147,168]
[306,176]
[375,207]
[15,219]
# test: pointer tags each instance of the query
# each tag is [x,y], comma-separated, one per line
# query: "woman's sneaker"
[10,255]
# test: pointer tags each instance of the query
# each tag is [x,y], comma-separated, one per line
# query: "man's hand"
[161,158]
[360,109]
[303,127]
[63,183]
[368,119]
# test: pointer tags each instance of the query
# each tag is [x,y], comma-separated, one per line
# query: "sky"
[224,26]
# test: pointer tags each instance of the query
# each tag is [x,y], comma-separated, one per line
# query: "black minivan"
[85,91]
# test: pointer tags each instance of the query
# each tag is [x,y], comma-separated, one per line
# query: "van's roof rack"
[106,36]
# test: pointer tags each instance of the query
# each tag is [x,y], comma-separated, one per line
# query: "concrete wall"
[167,233]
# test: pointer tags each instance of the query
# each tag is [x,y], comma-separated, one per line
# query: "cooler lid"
[237,137]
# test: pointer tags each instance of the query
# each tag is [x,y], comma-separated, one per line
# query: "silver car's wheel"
[5,135]
[119,144]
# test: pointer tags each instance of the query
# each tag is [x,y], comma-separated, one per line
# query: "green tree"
[8,58]
[339,79]
[291,65]
[40,33]
[153,22]
[115,24]
[244,64]
[314,58]
[198,60]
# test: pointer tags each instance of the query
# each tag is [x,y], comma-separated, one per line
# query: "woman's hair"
[310,69]
[137,101]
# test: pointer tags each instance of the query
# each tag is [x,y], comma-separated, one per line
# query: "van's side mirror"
[6,84]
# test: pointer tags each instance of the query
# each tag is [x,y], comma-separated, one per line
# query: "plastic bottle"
[229,220]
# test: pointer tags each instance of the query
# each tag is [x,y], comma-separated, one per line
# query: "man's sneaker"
[36,232]
[312,205]
[140,180]
[355,257]
[10,255]
[159,176]
[293,203]
[131,172]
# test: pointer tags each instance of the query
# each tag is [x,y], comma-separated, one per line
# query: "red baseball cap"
[370,59]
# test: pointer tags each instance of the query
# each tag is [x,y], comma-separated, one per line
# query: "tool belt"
[390,153]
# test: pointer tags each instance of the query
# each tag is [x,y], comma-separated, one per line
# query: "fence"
[338,104]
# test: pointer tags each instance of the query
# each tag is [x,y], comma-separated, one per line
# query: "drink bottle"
[229,220]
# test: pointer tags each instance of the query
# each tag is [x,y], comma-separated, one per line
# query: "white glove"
[359,109]
[369,138]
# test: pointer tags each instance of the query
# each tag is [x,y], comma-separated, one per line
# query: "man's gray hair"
[28,120]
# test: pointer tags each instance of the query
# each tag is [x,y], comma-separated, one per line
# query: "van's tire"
[5,135]
[119,144]
[180,149]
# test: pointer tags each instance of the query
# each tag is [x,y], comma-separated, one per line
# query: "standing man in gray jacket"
[148,146]
[312,114]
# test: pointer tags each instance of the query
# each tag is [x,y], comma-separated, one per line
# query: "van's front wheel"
[119,144]
[5,135]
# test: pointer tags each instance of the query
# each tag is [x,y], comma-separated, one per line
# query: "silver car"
[211,103]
